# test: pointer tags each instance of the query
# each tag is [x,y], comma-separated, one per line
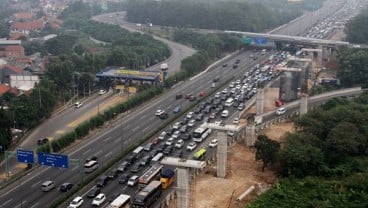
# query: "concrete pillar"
[320,56]
[303,104]
[250,135]
[259,101]
[221,154]
[183,187]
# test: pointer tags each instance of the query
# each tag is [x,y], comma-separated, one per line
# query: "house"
[12,51]
[26,27]
[4,88]
[23,16]
[6,71]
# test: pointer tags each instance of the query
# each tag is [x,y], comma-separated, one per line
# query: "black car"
[135,168]
[164,116]
[153,153]
[184,121]
[186,137]
[145,160]
[197,111]
[131,159]
[161,147]
[123,166]
[170,131]
[113,174]
[102,181]
[167,150]
[42,141]
[224,65]
[124,178]
[179,154]
[216,79]
[93,192]
[179,96]
[65,187]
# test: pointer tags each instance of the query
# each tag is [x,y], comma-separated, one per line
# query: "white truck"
[122,201]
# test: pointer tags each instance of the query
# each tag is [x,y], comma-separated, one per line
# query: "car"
[99,199]
[164,116]
[65,187]
[280,111]
[212,115]
[154,152]
[230,133]
[148,147]
[167,150]
[191,123]
[155,141]
[176,125]
[161,147]
[186,137]
[184,121]
[189,115]
[77,202]
[159,112]
[176,134]
[179,144]
[218,122]
[187,96]
[78,104]
[235,66]
[237,61]
[131,159]
[213,143]
[183,128]
[179,153]
[48,186]
[93,192]
[111,175]
[179,96]
[224,65]
[192,98]
[225,113]
[123,179]
[136,168]
[133,180]
[123,166]
[162,136]
[101,92]
[201,94]
[199,117]
[169,141]
[191,146]
[94,158]
[213,85]
[216,79]
[102,181]
[177,109]
[235,120]
[42,141]
[145,160]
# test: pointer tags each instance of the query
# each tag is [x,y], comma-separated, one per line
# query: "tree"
[267,150]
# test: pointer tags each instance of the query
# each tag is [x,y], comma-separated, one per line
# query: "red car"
[155,141]
[201,94]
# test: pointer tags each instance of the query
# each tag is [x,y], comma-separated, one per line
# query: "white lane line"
[22,203]
[97,153]
[35,184]
[84,153]
[137,127]
[145,128]
[35,205]
[7,202]
[117,141]
[107,139]
[75,168]
[108,154]
[124,188]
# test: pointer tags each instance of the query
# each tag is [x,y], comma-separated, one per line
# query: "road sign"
[260,41]
[54,160]
[25,156]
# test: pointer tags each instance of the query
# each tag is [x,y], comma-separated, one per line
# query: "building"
[24,16]
[12,51]
[6,71]
[26,27]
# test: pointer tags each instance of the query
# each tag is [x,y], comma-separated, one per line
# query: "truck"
[167,178]
[149,175]
[122,201]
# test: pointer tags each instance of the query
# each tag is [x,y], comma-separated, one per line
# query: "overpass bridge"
[299,40]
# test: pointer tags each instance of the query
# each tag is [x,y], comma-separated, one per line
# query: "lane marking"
[137,127]
[7,202]
[35,205]
[22,203]
[108,154]
[107,139]
[35,184]
[84,153]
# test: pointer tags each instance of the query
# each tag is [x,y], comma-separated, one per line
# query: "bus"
[149,175]
[229,102]
[138,151]
[122,201]
[200,154]
[200,134]
[147,196]
[90,166]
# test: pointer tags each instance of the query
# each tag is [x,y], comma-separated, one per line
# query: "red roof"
[16,36]
[14,48]
[33,25]
[23,15]
[4,89]
[24,60]
[14,69]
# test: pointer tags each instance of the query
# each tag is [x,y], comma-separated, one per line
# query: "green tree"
[267,150]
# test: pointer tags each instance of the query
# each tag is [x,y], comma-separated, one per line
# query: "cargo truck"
[167,178]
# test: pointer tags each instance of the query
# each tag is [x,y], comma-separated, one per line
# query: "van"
[157,157]
[48,186]
[225,113]
[133,180]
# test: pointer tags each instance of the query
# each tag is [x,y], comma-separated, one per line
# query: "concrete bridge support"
[303,104]
[183,187]
[250,135]
[221,154]
[260,101]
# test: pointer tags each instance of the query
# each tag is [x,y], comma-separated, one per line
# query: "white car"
[176,134]
[191,146]
[77,202]
[159,112]
[170,141]
[213,143]
[280,111]
[236,120]
[78,104]
[225,113]
[218,122]
[101,92]
[191,123]
[190,115]
[179,144]
[176,125]
[99,199]
[230,133]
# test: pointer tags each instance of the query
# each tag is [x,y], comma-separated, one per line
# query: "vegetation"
[324,162]
[353,69]
[354,30]
[220,15]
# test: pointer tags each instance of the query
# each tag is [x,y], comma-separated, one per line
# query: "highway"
[131,128]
